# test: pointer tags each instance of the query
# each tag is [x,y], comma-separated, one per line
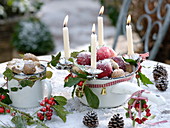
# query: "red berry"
[137,105]
[41,117]
[3,97]
[8,111]
[53,103]
[148,114]
[80,83]
[147,110]
[13,114]
[137,119]
[49,114]
[50,102]
[42,103]
[2,110]
[43,109]
[137,76]
[52,98]
[140,121]
[50,110]
[39,114]
[145,106]
[48,107]
[144,119]
[48,117]
[46,99]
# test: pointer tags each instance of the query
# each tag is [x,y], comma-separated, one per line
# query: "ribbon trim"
[110,83]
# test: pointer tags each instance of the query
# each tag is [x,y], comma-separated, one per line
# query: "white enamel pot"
[118,91]
[29,97]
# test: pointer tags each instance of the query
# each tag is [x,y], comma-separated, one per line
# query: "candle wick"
[100,14]
[93,32]
[64,25]
[128,24]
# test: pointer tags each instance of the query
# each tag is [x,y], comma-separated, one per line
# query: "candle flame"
[93,28]
[65,21]
[129,19]
[101,11]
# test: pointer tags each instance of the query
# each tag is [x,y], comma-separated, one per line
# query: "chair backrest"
[163,24]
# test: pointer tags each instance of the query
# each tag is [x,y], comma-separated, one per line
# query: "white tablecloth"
[78,110]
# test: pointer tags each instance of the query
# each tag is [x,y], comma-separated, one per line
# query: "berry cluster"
[3,109]
[46,111]
[73,76]
[140,106]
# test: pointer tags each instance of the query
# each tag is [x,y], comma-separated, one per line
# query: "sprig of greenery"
[55,60]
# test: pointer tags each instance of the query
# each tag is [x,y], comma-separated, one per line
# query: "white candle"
[93,47]
[66,39]
[129,36]
[100,27]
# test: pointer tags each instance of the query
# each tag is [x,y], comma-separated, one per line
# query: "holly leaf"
[5,92]
[72,81]
[75,54]
[144,79]
[25,83]
[131,61]
[19,121]
[49,74]
[60,100]
[55,59]
[8,73]
[92,99]
[61,112]
[14,89]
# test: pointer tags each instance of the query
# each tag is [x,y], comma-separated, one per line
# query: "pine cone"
[91,120]
[116,122]
[161,84]
[159,71]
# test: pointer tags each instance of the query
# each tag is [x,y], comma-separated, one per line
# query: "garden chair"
[163,24]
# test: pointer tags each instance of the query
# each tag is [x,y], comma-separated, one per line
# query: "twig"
[26,114]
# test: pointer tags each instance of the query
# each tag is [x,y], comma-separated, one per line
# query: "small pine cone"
[118,73]
[159,71]
[91,120]
[161,84]
[116,122]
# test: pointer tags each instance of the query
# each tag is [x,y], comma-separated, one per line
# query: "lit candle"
[129,36]
[66,38]
[93,47]
[100,27]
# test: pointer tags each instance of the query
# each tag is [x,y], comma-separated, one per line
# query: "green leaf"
[21,55]
[92,99]
[130,102]
[71,60]
[72,81]
[61,100]
[9,74]
[61,112]
[127,115]
[14,89]
[55,59]
[131,61]
[49,74]
[25,83]
[84,76]
[75,54]
[89,48]
[19,122]
[5,92]
[151,117]
[144,79]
